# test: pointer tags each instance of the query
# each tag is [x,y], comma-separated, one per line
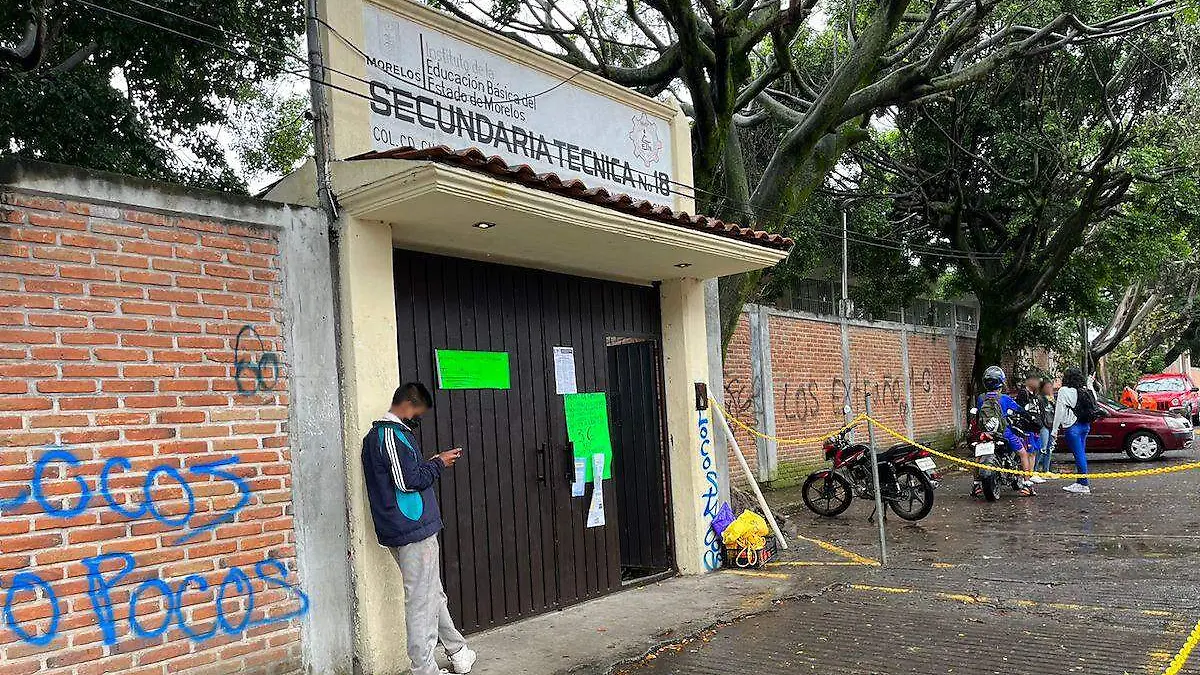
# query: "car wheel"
[1144,446]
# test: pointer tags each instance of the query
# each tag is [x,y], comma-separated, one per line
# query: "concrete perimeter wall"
[151,353]
[917,377]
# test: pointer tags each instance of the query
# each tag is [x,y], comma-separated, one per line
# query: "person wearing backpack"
[1003,412]
[1029,425]
[1074,411]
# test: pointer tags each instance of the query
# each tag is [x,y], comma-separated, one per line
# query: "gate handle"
[570,470]
[541,463]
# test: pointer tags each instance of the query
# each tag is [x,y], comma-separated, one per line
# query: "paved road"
[1056,583]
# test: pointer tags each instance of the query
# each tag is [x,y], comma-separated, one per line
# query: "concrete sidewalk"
[595,636]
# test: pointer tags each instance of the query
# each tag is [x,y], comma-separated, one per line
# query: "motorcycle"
[992,450]
[907,476]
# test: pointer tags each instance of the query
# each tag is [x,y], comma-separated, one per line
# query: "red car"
[1142,434]
[1169,392]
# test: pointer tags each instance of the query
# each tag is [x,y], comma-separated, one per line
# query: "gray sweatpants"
[425,612]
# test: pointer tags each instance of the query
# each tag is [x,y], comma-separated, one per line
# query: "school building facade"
[188,375]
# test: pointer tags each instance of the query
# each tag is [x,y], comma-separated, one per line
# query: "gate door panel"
[515,542]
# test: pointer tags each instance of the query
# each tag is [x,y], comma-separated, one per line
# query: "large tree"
[90,87]
[815,72]
[1040,161]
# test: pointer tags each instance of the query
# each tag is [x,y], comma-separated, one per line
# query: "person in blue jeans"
[1074,431]
[1047,418]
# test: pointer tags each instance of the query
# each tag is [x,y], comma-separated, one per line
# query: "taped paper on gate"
[565,381]
[587,428]
[580,483]
[596,512]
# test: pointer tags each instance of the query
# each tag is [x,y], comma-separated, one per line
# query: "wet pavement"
[1056,583]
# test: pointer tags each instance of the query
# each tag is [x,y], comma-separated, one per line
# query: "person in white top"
[1074,430]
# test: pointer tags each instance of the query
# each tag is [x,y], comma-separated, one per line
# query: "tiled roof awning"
[475,160]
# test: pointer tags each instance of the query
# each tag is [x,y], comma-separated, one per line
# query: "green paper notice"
[587,429]
[459,369]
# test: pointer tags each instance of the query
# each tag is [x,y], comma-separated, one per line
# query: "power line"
[366,56]
[857,237]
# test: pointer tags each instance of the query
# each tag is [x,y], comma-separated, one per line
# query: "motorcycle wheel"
[991,488]
[915,500]
[827,493]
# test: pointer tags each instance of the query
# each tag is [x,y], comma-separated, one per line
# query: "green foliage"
[143,101]
[272,133]
[1043,329]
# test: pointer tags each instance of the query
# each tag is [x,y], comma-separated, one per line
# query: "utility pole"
[1084,347]
[320,111]
[845,266]
[844,318]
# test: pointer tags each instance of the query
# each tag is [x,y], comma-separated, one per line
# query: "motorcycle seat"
[895,451]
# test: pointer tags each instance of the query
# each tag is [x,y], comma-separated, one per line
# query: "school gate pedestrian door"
[515,542]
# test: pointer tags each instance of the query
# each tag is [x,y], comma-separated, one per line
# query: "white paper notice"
[596,512]
[564,371]
[580,483]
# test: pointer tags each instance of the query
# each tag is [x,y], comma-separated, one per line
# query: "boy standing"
[405,512]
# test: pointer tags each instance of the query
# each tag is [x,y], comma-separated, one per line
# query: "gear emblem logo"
[647,146]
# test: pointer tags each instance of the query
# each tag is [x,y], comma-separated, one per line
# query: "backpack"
[989,417]
[1086,409]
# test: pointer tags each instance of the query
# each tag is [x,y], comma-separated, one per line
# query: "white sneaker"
[462,660]
[1078,489]
[1037,479]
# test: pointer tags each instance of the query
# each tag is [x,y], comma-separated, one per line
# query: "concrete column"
[689,432]
[844,325]
[763,391]
[955,393]
[681,160]
[904,360]
[371,372]
[314,424]
[716,377]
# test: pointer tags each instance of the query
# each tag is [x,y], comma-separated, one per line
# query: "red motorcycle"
[907,476]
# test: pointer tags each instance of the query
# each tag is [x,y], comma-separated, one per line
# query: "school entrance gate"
[515,542]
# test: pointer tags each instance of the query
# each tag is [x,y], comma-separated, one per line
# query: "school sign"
[428,88]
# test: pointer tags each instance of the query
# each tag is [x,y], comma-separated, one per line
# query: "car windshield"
[1156,386]
[1104,400]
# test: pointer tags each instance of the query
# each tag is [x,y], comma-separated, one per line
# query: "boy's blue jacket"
[400,483]
[1008,407]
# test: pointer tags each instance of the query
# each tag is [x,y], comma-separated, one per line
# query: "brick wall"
[145,497]
[810,387]
[739,388]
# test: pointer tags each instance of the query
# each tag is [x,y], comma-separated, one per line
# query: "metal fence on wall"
[820,297]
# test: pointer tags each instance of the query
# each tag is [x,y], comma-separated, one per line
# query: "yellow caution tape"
[1172,468]
[785,441]
[1181,658]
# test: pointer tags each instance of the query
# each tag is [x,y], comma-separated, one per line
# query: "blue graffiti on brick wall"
[711,497]
[252,374]
[108,570]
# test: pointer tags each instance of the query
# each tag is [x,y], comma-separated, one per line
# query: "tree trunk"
[995,331]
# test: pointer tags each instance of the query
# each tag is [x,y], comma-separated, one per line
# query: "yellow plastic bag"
[749,531]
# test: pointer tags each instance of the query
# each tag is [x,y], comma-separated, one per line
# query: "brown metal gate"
[515,542]
[633,378]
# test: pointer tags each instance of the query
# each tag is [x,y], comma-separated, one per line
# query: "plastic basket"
[736,558]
